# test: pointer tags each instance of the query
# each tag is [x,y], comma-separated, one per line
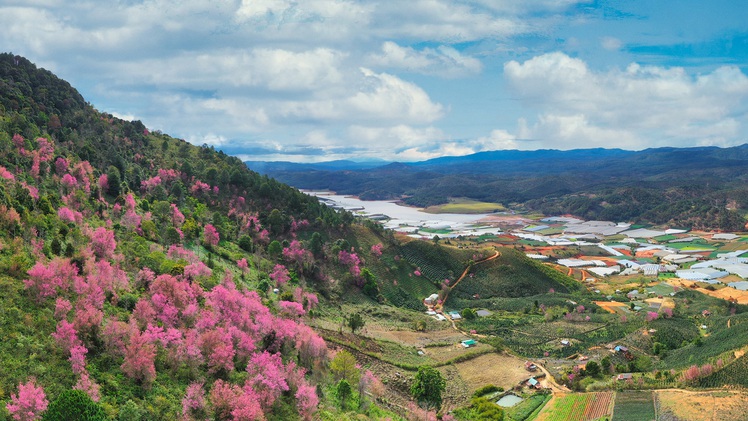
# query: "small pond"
[509,400]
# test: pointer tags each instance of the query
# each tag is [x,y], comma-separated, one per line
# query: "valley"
[146,278]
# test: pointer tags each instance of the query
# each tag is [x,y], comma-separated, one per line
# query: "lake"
[406,218]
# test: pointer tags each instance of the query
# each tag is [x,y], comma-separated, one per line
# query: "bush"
[74,405]
[485,390]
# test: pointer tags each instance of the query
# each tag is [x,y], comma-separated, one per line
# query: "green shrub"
[74,405]
[485,390]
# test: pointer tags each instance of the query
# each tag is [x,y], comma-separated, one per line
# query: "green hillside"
[511,275]
[140,269]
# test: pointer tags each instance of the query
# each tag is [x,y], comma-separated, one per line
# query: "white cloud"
[637,107]
[443,60]
[387,96]
[611,43]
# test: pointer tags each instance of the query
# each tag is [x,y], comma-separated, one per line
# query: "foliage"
[485,390]
[481,409]
[343,392]
[731,374]
[74,405]
[29,403]
[634,406]
[343,366]
[355,322]
[427,386]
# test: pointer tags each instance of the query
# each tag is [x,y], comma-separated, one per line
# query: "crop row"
[634,406]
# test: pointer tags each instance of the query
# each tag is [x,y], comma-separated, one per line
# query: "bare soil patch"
[611,306]
[725,293]
[698,406]
[498,369]
[417,339]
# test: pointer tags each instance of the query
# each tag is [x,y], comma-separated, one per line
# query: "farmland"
[529,407]
[578,407]
[634,406]
[697,406]
[466,206]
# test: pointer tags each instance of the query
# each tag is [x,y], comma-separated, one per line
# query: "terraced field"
[579,407]
[634,406]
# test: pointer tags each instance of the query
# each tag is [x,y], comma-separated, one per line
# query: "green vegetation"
[74,405]
[480,409]
[428,386]
[511,275]
[528,408]
[466,206]
[634,406]
[733,374]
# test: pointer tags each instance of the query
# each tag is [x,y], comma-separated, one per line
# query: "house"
[530,366]
[565,342]
[533,383]
[469,342]
[621,348]
[431,299]
[624,376]
[455,315]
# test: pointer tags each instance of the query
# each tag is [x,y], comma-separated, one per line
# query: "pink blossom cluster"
[68,215]
[351,260]
[280,275]
[168,175]
[295,253]
[177,252]
[376,250]
[29,403]
[177,218]
[151,183]
[210,235]
[199,187]
[4,173]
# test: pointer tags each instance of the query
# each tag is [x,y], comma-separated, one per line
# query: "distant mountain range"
[702,187]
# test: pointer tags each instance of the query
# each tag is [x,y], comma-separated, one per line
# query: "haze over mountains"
[663,185]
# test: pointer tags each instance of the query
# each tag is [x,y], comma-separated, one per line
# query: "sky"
[321,80]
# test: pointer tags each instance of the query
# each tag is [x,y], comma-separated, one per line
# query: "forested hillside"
[145,278]
[699,188]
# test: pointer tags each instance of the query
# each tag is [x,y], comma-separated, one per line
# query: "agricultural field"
[512,275]
[579,407]
[498,369]
[466,206]
[697,406]
[734,373]
[525,410]
[634,406]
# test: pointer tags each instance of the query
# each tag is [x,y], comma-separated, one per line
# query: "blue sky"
[318,80]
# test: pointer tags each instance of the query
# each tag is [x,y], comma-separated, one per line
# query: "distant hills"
[702,187]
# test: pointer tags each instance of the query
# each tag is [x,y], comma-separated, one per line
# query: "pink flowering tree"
[306,401]
[210,235]
[376,250]
[296,254]
[280,275]
[267,377]
[351,260]
[140,356]
[193,403]
[29,403]
[177,218]
[103,243]
[291,309]
[243,265]
[652,315]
